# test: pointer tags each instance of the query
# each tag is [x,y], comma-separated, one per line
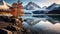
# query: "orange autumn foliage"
[17,10]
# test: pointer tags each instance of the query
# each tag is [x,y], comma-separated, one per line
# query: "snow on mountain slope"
[4,6]
[31,6]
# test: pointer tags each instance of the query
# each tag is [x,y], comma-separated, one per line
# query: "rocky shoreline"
[12,26]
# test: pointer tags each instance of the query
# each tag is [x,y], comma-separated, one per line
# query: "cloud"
[41,3]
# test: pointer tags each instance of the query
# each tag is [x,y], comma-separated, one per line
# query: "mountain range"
[31,6]
[53,6]
[54,9]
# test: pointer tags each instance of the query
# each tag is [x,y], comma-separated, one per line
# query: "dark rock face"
[10,28]
[3,32]
[54,12]
[12,20]
[4,18]
[13,25]
[38,12]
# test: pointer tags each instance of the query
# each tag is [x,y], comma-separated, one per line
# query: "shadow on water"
[57,17]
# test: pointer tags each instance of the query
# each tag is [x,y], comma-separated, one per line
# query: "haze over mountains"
[33,6]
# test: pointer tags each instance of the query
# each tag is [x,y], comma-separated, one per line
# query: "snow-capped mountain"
[4,5]
[53,6]
[31,6]
[54,9]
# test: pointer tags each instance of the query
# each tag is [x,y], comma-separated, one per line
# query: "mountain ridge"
[31,6]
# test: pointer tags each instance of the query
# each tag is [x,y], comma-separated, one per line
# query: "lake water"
[50,24]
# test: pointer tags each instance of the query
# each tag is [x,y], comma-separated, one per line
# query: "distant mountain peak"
[30,2]
[54,9]
[54,3]
[31,6]
[53,6]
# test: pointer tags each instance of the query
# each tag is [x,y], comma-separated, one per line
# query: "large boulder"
[4,31]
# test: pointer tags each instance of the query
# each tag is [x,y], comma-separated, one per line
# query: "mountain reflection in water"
[47,26]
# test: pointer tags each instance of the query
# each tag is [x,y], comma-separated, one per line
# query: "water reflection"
[50,17]
[49,24]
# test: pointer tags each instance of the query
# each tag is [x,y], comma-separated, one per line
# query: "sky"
[41,3]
